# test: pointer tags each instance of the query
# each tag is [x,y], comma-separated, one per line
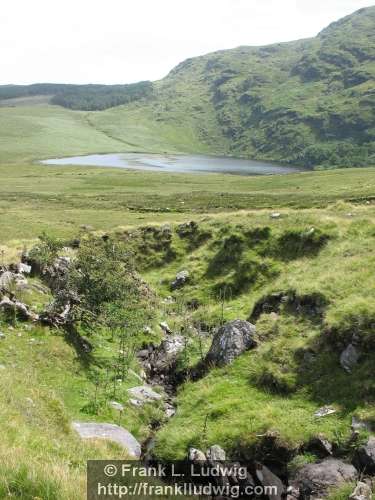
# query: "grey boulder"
[314,480]
[110,432]
[144,394]
[230,341]
[180,280]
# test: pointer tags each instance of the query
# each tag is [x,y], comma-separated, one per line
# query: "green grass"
[42,387]
[34,198]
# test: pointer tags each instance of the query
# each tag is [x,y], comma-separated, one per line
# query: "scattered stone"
[164,326]
[268,479]
[365,457]
[144,394]
[314,480]
[2,335]
[325,411]
[116,406]
[180,280]
[216,453]
[230,341]
[195,455]
[110,432]
[349,358]
[147,330]
[275,215]
[361,492]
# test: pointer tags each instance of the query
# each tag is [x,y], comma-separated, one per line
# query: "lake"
[173,163]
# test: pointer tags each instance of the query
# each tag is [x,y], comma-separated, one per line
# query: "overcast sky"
[120,41]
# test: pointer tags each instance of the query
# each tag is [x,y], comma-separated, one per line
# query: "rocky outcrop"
[10,281]
[109,432]
[230,341]
[314,480]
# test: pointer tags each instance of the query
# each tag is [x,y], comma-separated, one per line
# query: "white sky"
[120,41]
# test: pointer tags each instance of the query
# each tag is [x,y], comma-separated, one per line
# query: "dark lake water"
[171,163]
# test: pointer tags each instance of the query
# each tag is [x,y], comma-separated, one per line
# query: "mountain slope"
[308,102]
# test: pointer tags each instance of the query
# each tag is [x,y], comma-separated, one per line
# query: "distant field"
[35,198]
[37,100]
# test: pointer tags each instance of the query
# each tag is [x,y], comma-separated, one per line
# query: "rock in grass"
[361,492]
[349,358]
[180,280]
[110,432]
[324,411]
[195,455]
[144,394]
[314,480]
[230,341]
[365,457]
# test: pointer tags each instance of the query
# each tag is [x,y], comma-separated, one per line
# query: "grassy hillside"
[309,102]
